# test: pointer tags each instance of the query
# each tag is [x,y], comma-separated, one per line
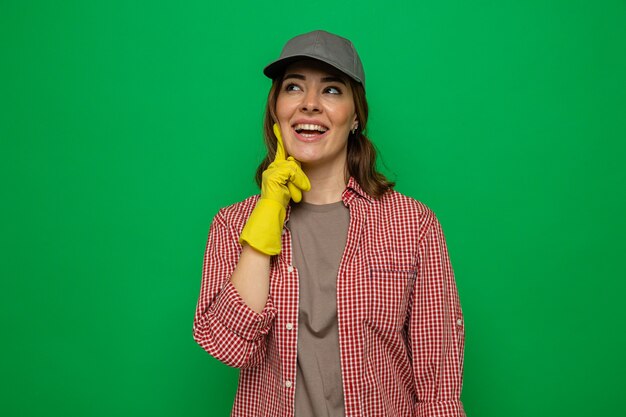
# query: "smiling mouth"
[310,130]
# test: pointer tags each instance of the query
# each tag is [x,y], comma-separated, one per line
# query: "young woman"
[332,292]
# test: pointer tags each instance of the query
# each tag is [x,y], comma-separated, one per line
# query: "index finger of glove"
[280,148]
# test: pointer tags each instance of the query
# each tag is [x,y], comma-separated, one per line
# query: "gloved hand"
[282,180]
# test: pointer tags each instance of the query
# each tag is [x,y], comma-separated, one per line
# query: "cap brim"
[276,68]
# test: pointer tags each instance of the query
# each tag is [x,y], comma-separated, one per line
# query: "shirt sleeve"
[224,325]
[436,329]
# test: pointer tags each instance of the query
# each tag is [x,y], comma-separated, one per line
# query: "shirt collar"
[353,190]
[354,187]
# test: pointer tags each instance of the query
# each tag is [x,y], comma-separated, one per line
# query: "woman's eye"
[291,87]
[333,90]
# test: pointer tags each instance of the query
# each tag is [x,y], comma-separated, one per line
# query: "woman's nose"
[310,102]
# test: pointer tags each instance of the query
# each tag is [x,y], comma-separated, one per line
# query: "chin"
[312,155]
[303,155]
[306,159]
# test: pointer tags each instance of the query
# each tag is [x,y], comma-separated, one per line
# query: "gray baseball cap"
[323,46]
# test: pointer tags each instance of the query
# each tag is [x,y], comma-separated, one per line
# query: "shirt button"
[289,326]
[459,322]
[290,269]
[288,384]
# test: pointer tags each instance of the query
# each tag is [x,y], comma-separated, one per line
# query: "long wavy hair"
[361,155]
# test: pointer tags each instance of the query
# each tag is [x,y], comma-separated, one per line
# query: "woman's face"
[315,110]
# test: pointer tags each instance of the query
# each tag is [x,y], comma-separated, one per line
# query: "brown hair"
[361,155]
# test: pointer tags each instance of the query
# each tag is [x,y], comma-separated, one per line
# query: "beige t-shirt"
[319,234]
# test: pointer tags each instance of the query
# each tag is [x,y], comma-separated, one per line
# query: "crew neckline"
[319,208]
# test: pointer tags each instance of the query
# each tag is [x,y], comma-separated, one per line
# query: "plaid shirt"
[401,329]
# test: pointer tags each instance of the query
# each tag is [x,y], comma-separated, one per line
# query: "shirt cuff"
[439,409]
[233,312]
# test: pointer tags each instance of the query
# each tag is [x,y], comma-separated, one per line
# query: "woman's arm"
[252,277]
[235,311]
[436,329]
[224,324]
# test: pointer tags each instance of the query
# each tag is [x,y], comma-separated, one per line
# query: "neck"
[327,185]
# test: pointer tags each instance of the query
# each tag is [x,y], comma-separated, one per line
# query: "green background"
[126,125]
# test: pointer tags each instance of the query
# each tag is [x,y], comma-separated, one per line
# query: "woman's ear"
[355,125]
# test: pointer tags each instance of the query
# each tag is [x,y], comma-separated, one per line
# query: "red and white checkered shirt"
[401,329]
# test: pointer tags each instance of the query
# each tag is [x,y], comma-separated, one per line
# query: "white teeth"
[302,126]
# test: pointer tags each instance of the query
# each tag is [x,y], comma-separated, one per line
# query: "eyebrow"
[330,79]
